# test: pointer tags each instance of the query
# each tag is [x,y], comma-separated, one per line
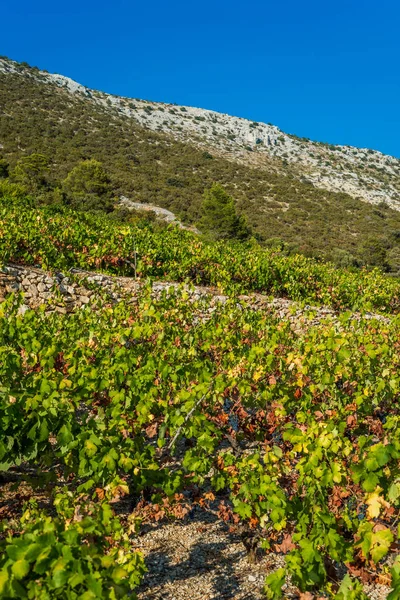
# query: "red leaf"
[286,545]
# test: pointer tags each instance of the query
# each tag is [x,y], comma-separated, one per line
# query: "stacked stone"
[61,293]
[65,293]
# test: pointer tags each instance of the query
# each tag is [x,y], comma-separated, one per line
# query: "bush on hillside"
[374,253]
[88,187]
[219,217]
[31,171]
[393,259]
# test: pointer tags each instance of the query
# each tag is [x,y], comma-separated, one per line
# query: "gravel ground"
[200,558]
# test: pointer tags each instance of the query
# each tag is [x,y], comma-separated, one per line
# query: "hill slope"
[167,155]
[360,172]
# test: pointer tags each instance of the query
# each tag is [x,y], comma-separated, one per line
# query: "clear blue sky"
[321,69]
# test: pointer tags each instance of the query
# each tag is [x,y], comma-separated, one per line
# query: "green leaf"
[369,484]
[64,436]
[274,584]
[350,589]
[45,387]
[16,551]
[43,432]
[394,491]
[76,579]
[60,573]
[20,568]
[119,574]
[381,541]
[344,354]
[33,552]
[244,510]
[3,581]
[88,595]
[90,448]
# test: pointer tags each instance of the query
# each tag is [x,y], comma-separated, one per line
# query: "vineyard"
[121,412]
[58,238]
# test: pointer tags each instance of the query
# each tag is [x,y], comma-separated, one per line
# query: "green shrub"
[87,187]
[219,217]
[12,190]
[4,168]
[31,171]
[71,555]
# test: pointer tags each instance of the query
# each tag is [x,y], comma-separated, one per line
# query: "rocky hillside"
[362,173]
[165,156]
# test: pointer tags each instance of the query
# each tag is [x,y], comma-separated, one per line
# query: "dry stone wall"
[67,292]
[61,292]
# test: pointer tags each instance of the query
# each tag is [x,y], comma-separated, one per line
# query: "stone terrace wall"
[65,293]
[60,292]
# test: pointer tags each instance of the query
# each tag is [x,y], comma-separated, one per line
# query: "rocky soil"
[360,172]
[203,558]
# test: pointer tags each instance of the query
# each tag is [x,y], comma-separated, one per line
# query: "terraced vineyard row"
[59,238]
[149,403]
[115,411]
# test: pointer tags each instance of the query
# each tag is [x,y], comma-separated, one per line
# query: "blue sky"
[325,70]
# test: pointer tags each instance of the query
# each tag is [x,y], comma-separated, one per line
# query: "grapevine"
[149,401]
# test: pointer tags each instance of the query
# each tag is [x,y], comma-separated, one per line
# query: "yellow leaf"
[65,383]
[257,374]
[375,503]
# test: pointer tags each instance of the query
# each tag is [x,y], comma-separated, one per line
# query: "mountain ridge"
[362,173]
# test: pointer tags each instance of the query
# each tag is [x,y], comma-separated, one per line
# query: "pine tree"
[87,186]
[219,217]
[31,171]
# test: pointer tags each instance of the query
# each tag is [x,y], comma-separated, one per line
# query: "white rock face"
[365,174]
